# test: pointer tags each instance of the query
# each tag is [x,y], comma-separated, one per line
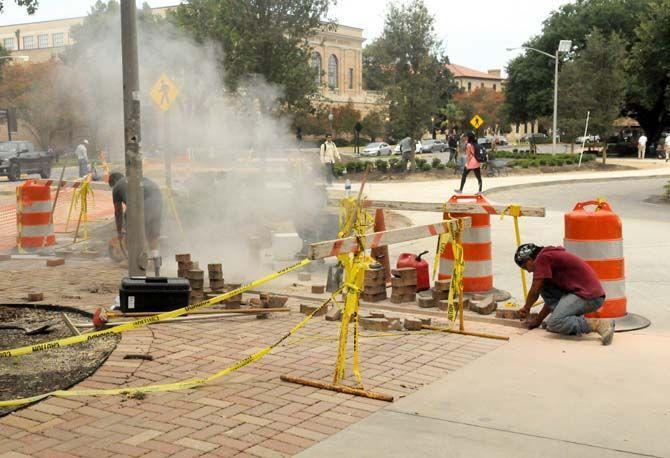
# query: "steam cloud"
[247,179]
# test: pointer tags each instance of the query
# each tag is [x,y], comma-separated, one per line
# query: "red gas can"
[421,266]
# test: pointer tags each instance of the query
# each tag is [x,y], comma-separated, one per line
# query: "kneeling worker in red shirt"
[570,288]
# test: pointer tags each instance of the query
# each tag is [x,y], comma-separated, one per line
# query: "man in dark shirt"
[153,211]
[570,288]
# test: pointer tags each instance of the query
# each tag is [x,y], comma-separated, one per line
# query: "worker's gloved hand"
[533,322]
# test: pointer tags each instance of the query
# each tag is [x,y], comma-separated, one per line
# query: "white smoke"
[245,178]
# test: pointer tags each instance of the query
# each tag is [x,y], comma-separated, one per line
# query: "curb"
[538,184]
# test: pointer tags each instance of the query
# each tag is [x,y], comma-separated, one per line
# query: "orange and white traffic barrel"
[33,216]
[476,240]
[597,237]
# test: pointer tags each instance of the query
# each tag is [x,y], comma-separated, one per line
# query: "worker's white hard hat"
[86,141]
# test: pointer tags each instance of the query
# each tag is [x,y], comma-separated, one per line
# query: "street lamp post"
[563,46]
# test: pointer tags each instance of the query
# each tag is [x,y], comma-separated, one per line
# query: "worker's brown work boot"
[603,327]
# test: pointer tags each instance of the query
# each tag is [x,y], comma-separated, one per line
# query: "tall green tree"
[410,63]
[529,86]
[649,68]
[595,81]
[30,5]
[260,37]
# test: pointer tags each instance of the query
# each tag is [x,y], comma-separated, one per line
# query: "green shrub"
[424,167]
[395,164]
[353,166]
[666,194]
[338,169]
[436,162]
[515,150]
[525,164]
[340,142]
[542,162]
[382,165]
[441,167]
[419,162]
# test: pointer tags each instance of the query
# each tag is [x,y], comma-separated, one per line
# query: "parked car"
[588,139]
[377,149]
[432,146]
[21,157]
[536,135]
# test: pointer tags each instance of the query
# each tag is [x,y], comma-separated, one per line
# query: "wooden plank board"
[492,209]
[330,248]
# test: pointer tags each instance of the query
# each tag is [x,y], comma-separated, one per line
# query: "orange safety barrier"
[596,237]
[476,241]
[33,217]
[100,208]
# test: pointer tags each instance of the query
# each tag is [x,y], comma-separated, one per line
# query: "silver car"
[377,149]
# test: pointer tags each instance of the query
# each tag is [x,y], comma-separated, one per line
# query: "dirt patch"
[49,370]
[659,200]
[395,220]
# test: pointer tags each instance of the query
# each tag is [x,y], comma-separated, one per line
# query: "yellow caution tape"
[515,212]
[442,241]
[186,384]
[456,284]
[149,320]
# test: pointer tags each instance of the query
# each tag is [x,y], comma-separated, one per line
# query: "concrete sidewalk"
[541,395]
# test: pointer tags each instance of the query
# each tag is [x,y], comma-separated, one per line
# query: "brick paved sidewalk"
[248,413]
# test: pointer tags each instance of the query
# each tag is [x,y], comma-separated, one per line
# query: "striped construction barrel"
[478,275]
[596,237]
[33,216]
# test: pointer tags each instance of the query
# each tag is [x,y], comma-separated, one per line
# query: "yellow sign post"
[164,92]
[476,121]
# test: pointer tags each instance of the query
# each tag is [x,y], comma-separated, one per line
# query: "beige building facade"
[469,79]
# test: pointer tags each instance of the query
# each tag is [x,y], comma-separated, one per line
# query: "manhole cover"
[49,370]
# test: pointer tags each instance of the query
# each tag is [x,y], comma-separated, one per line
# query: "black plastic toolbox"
[153,294]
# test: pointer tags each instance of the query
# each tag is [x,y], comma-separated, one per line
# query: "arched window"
[332,71]
[316,65]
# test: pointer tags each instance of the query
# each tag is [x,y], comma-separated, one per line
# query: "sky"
[475,33]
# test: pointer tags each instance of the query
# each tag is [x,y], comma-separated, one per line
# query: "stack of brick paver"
[374,286]
[215,277]
[235,301]
[196,278]
[184,264]
[440,292]
[403,285]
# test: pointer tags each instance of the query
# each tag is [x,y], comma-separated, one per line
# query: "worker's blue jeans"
[567,310]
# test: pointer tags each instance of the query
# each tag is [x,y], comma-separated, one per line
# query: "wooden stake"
[466,333]
[201,312]
[69,324]
[338,388]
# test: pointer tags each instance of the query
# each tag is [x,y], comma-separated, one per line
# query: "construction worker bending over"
[570,288]
[153,211]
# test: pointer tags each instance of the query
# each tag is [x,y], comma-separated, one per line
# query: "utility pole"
[137,258]
[554,123]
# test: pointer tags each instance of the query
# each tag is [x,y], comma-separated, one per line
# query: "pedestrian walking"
[666,147]
[329,155]
[82,158]
[473,160]
[641,146]
[452,141]
[406,147]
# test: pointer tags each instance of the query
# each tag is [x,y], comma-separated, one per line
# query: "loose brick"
[375,314]
[403,298]
[442,285]
[277,301]
[182,257]
[405,272]
[394,324]
[308,309]
[196,274]
[374,324]
[508,313]
[412,324]
[374,289]
[318,289]
[196,283]
[35,297]
[439,295]
[426,321]
[426,302]
[215,275]
[334,314]
[373,297]
[55,262]
[397,282]
[215,267]
[216,285]
[484,306]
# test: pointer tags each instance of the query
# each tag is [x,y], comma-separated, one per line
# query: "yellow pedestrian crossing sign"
[164,92]
[476,121]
